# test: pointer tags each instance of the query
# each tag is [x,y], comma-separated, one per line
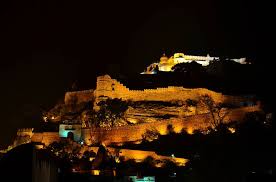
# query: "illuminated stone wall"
[111,88]
[135,132]
[140,155]
[46,137]
[25,132]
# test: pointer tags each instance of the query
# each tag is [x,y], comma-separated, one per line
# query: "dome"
[163,59]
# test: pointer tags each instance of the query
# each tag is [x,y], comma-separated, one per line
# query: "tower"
[163,59]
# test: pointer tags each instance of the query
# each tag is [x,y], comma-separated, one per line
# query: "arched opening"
[70,135]
[113,87]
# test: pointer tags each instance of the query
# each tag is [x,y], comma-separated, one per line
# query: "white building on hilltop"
[166,64]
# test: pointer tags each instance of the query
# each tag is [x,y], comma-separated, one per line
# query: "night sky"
[48,45]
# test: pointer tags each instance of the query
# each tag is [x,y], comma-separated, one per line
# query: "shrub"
[150,135]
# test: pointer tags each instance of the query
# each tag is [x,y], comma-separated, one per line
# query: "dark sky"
[48,45]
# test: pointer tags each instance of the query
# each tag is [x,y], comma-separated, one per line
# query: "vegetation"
[71,111]
[190,102]
[216,111]
[111,113]
[221,155]
[190,70]
[150,135]
[66,149]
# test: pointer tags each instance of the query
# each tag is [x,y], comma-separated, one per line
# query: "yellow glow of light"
[131,120]
[138,142]
[190,131]
[159,164]
[45,118]
[95,172]
[180,161]
[162,131]
[232,130]
[177,129]
[117,160]
[39,146]
[53,117]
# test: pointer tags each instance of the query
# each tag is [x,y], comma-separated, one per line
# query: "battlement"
[25,132]
[200,58]
[111,88]
[133,133]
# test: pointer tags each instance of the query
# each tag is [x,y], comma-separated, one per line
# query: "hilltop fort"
[147,109]
[166,64]
[114,113]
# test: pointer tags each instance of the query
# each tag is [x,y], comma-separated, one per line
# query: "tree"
[170,129]
[103,159]
[111,113]
[169,165]
[148,163]
[192,69]
[150,135]
[190,102]
[66,149]
[87,154]
[190,106]
[216,111]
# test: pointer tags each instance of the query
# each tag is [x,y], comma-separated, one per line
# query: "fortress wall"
[134,133]
[111,88]
[45,137]
[50,137]
[37,137]
[25,132]
[80,96]
[238,114]
[140,155]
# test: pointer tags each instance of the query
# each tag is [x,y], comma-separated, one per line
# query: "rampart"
[45,137]
[111,88]
[140,155]
[134,133]
[25,132]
